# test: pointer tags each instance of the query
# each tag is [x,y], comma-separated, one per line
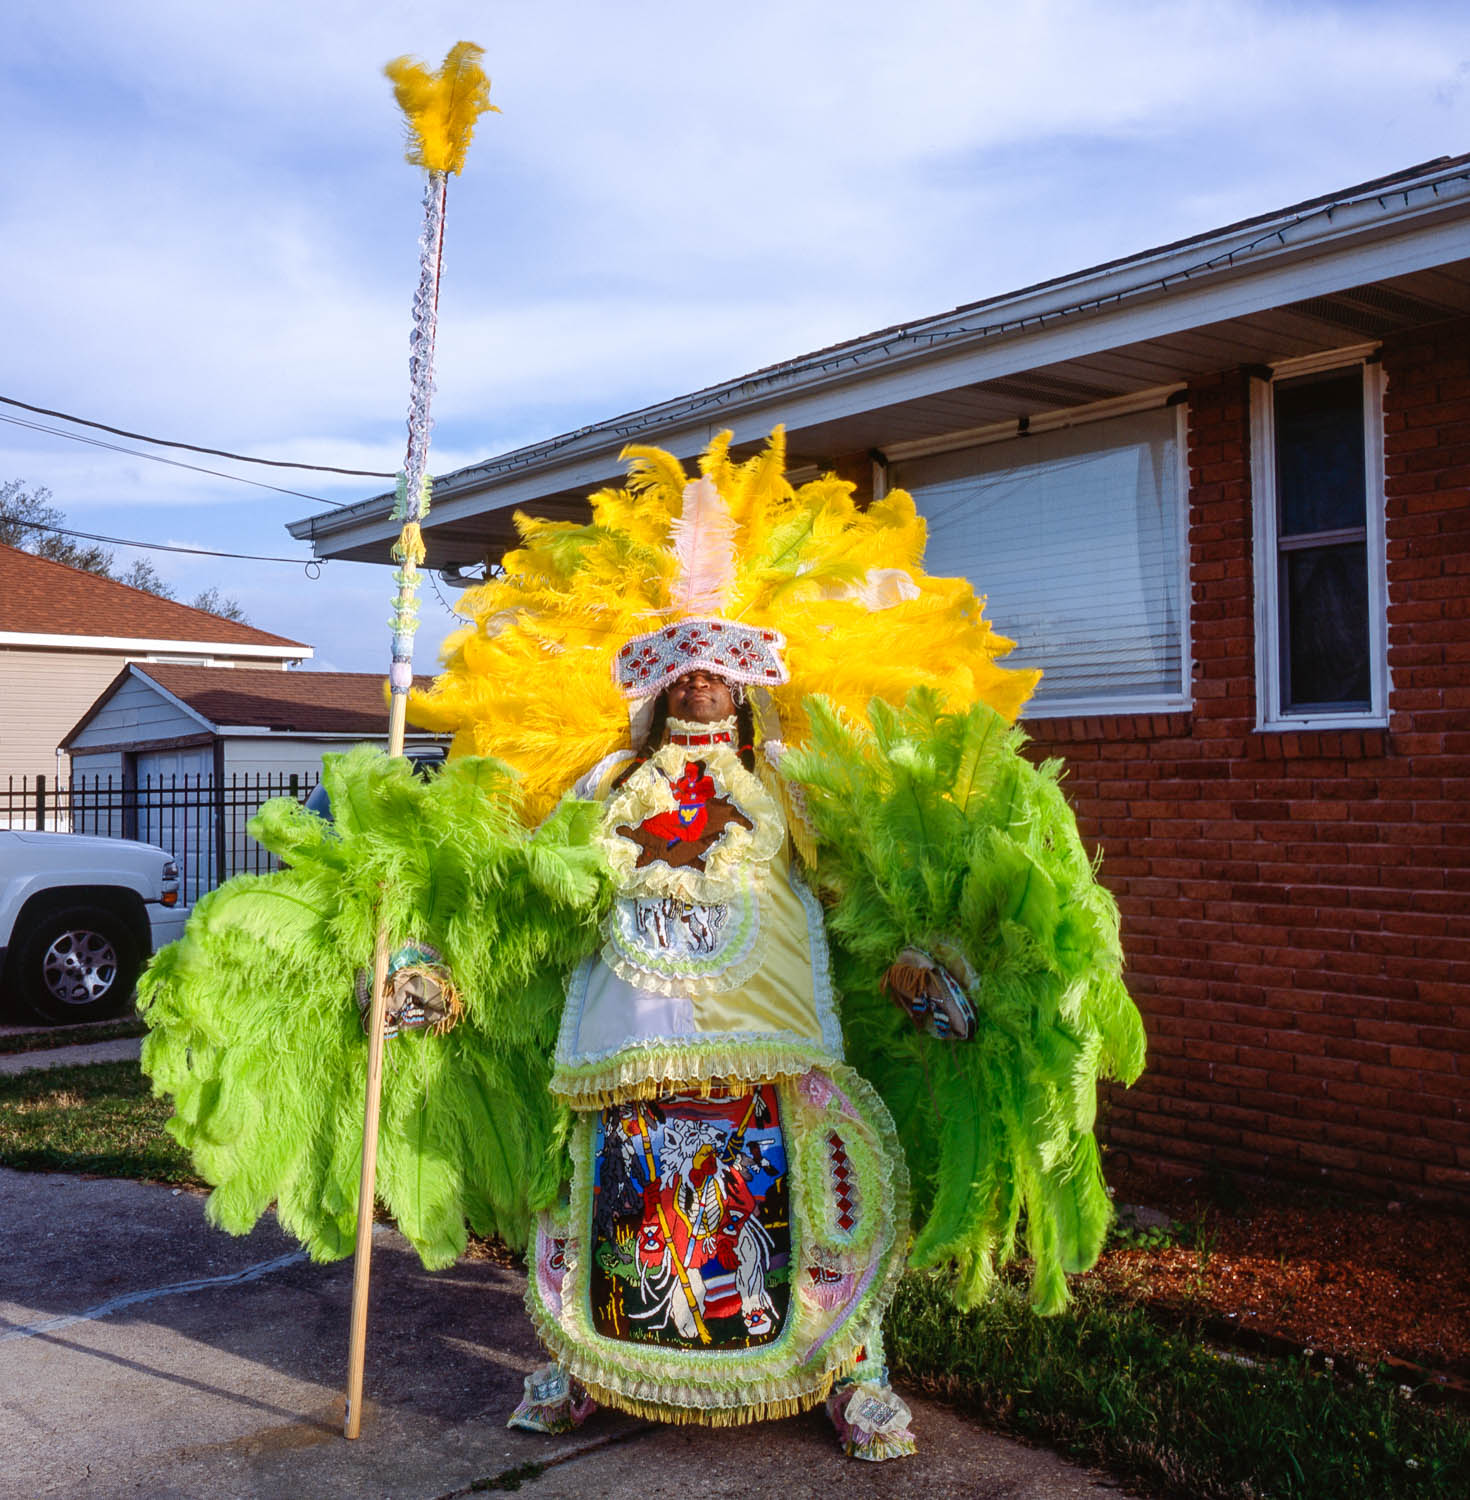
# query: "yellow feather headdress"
[531,681]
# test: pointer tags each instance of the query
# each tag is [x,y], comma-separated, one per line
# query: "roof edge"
[1236,248]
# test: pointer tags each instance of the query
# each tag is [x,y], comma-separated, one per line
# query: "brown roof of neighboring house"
[320,702]
[41,597]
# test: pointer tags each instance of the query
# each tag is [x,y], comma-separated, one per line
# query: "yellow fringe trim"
[720,1416]
[682,1070]
[801,1390]
[410,544]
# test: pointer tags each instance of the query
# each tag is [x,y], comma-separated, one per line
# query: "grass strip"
[1164,1412]
[49,1038]
[99,1118]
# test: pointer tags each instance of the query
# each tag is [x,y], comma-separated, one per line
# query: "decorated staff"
[441,110]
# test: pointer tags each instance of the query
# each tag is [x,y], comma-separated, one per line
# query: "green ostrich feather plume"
[254,1023]
[933,829]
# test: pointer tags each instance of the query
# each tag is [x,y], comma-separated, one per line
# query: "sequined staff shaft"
[415,486]
[441,109]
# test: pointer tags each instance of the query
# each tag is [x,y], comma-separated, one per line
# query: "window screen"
[1074,538]
[1321,533]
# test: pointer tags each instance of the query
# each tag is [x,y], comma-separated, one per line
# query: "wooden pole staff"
[441,109]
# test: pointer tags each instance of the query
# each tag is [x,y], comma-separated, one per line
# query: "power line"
[173,463]
[122,541]
[142,437]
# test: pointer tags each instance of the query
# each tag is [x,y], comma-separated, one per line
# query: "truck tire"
[75,963]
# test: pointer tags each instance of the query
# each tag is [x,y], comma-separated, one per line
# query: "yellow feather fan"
[441,108]
[531,680]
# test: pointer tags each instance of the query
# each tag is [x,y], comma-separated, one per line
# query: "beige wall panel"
[42,695]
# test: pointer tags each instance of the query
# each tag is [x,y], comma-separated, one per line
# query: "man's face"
[700,697]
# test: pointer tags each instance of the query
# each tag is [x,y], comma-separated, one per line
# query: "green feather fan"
[934,830]
[254,1023]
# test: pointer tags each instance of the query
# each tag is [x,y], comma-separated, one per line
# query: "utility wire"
[175,463]
[142,437]
[122,541]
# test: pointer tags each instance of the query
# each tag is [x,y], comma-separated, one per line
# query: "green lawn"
[100,1118]
[47,1038]
[1167,1412]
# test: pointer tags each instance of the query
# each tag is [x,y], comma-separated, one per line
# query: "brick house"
[1220,492]
[65,633]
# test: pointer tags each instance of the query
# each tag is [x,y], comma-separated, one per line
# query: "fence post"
[221,847]
[41,802]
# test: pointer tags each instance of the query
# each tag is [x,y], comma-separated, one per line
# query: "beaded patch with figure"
[684,834]
[694,826]
[691,1237]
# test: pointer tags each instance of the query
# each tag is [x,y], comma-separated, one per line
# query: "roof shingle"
[41,597]
[308,702]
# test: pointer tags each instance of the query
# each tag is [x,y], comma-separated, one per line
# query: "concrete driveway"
[143,1353]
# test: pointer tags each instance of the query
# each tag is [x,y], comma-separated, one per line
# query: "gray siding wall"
[276,755]
[250,755]
[97,766]
[136,712]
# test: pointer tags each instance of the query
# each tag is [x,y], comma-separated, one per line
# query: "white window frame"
[1270,716]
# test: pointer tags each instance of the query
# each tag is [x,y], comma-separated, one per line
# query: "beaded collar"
[687,732]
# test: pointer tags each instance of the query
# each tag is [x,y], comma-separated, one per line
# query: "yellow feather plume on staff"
[441,108]
[530,680]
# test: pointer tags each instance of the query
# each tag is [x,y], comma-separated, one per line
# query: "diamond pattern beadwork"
[844,1183]
[740,653]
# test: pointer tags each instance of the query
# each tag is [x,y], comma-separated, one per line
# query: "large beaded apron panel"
[691,1232]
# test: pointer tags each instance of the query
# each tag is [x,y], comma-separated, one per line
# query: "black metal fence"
[200,822]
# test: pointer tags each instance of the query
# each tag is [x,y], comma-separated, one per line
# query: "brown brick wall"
[1294,905]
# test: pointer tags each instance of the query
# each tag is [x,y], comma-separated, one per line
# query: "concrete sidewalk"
[143,1353]
[72,1056]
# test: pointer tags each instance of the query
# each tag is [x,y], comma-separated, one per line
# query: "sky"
[208,231]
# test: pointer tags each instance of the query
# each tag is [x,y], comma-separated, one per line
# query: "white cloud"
[208,232]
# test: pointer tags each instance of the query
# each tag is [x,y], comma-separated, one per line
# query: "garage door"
[176,810]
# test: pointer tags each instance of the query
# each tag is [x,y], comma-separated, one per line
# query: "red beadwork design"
[739,653]
[722,738]
[845,1188]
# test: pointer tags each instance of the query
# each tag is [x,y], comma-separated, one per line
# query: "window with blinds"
[1075,538]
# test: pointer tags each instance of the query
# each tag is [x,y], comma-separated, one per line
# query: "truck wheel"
[77,963]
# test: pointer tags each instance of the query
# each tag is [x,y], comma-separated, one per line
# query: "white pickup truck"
[78,918]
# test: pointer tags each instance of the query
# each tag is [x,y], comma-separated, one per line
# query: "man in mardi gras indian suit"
[664,896]
[701,1053]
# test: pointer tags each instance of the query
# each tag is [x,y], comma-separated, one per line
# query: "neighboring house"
[1220,492]
[65,632]
[183,755]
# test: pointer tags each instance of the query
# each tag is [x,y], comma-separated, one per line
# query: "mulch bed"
[1364,1280]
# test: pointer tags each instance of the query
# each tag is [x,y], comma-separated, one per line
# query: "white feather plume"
[704,543]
